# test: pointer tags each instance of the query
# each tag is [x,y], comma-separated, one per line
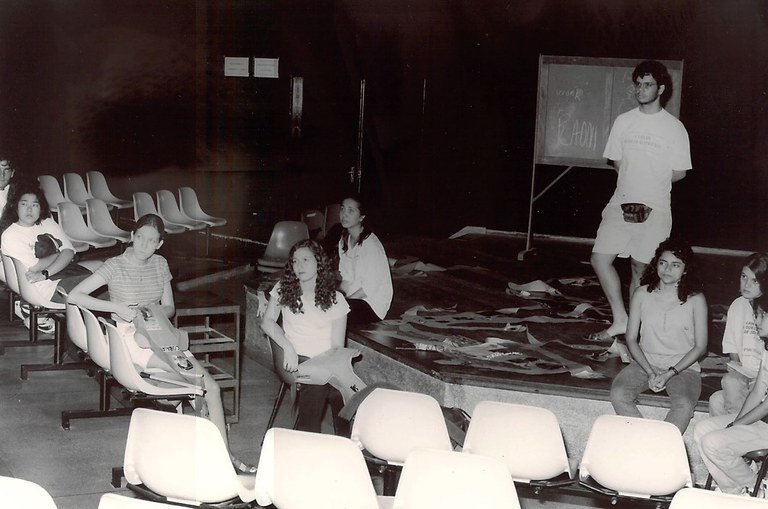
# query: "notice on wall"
[236,66]
[265,67]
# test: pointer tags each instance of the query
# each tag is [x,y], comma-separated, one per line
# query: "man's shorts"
[637,240]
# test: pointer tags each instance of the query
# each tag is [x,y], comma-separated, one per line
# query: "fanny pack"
[635,212]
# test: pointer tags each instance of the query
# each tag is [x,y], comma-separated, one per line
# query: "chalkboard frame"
[549,65]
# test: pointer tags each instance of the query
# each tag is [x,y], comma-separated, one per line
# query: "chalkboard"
[579,98]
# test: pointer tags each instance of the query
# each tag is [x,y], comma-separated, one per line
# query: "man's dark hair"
[659,73]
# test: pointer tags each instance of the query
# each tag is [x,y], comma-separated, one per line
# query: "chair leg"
[58,354]
[106,383]
[276,406]
[760,476]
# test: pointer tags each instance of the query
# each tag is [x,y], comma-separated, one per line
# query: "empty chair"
[389,424]
[453,480]
[74,226]
[695,498]
[18,493]
[100,221]
[52,190]
[284,235]
[98,187]
[75,190]
[332,217]
[190,207]
[115,501]
[143,204]
[168,209]
[315,221]
[299,469]
[527,439]
[184,458]
[635,458]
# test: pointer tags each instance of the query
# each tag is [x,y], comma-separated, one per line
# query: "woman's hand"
[658,381]
[34,276]
[290,359]
[127,312]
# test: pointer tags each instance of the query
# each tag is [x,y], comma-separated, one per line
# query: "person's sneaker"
[46,325]
[21,310]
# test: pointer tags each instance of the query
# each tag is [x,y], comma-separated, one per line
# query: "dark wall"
[135,87]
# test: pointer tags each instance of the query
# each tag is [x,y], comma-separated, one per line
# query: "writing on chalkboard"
[579,98]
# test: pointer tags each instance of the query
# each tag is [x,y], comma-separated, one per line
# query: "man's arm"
[678,175]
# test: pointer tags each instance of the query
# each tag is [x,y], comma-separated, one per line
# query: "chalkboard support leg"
[526,254]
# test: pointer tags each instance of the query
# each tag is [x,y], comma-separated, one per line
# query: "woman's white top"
[365,265]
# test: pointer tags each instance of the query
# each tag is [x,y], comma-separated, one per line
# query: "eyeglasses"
[645,84]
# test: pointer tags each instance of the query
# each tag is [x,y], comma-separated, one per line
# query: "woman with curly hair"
[673,336]
[314,321]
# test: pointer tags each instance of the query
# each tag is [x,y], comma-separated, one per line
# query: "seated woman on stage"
[741,340]
[140,277]
[31,236]
[314,321]
[673,313]
[724,440]
[366,279]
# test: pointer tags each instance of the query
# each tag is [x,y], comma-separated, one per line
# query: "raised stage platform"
[459,331]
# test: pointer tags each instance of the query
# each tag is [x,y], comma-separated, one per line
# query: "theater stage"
[459,331]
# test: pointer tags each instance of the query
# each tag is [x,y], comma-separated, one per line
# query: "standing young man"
[6,172]
[650,150]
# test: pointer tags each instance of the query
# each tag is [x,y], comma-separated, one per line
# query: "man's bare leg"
[611,284]
[638,268]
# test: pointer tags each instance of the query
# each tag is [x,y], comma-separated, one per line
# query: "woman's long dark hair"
[690,283]
[364,233]
[325,286]
[758,264]
[19,189]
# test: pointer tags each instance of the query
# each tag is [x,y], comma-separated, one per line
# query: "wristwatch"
[44,273]
[674,370]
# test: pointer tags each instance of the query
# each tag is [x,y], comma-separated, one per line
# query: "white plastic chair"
[100,221]
[303,470]
[332,217]
[182,458]
[389,424]
[527,439]
[75,190]
[74,226]
[143,204]
[115,501]
[18,493]
[695,498]
[635,458]
[52,190]
[98,187]
[453,480]
[190,207]
[168,209]
[284,235]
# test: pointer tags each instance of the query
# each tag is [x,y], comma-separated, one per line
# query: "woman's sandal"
[243,468]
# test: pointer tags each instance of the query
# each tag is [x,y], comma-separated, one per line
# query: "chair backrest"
[100,220]
[115,501]
[190,207]
[284,235]
[98,188]
[10,274]
[696,498]
[390,424]
[143,204]
[74,226]
[75,190]
[76,327]
[168,209]
[28,292]
[183,457]
[315,221]
[527,439]
[332,216]
[96,340]
[52,190]
[17,493]
[453,480]
[299,469]
[635,457]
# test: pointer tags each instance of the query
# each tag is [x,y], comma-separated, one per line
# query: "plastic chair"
[98,353]
[453,480]
[389,424]
[315,221]
[332,217]
[183,458]
[168,209]
[299,469]
[190,207]
[115,501]
[75,190]
[98,187]
[284,235]
[143,204]
[527,439]
[17,493]
[634,458]
[100,221]
[74,226]
[52,190]
[695,498]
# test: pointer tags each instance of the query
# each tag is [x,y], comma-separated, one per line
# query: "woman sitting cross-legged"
[141,277]
[314,322]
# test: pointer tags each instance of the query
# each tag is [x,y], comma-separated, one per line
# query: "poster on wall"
[265,67]
[236,66]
